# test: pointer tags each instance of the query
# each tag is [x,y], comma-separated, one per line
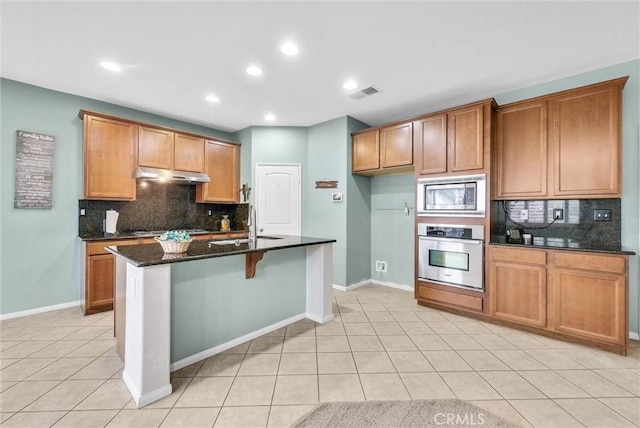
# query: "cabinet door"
[155,148]
[519,293]
[222,165]
[109,159]
[396,145]
[521,152]
[366,151]
[430,136]
[189,153]
[466,139]
[590,305]
[99,292]
[586,142]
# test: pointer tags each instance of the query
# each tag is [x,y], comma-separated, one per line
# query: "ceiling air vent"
[365,92]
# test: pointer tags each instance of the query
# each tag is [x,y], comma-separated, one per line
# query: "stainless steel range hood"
[171,175]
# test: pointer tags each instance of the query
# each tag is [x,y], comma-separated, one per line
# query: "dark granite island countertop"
[152,254]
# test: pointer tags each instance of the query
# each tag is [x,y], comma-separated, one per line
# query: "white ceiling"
[424,56]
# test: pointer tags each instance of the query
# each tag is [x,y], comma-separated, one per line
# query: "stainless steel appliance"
[454,196]
[451,255]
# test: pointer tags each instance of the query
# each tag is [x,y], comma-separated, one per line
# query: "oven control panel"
[474,231]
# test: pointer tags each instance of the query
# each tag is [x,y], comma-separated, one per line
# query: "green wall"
[213,303]
[359,237]
[630,159]
[39,249]
[392,232]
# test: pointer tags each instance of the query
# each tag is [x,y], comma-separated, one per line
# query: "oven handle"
[463,241]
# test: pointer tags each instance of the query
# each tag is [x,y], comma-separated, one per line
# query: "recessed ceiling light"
[350,84]
[111,66]
[289,48]
[254,70]
[270,117]
[212,99]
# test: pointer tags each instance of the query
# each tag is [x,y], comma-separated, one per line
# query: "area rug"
[418,413]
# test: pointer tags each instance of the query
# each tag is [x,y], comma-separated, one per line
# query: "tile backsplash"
[160,206]
[578,224]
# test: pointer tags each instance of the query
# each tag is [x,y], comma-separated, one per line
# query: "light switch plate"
[524,214]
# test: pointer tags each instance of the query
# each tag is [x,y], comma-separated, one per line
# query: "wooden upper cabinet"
[521,151]
[189,153]
[561,146]
[454,141]
[430,136]
[155,147]
[366,151]
[159,148]
[396,145]
[109,158]
[586,143]
[222,165]
[466,139]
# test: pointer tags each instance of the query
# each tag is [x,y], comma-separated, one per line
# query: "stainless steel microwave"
[452,196]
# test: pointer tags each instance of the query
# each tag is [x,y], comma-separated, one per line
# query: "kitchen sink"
[230,241]
[239,241]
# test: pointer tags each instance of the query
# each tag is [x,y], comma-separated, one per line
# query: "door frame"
[276,164]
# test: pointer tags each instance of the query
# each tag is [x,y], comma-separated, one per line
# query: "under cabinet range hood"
[171,175]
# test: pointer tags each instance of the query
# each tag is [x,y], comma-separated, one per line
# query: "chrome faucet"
[251,222]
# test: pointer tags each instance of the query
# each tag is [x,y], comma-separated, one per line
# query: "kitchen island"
[172,310]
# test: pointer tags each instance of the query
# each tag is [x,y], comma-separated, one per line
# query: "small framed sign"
[34,170]
[327,184]
[336,197]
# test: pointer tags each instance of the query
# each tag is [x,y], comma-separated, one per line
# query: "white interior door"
[278,200]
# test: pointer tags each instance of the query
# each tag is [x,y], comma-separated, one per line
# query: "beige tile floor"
[60,369]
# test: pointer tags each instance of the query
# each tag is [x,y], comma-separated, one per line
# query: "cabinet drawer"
[203,237]
[450,298]
[593,262]
[94,248]
[535,257]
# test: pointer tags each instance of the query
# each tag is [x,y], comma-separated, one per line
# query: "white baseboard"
[235,342]
[39,310]
[375,282]
[352,286]
[634,336]
[393,285]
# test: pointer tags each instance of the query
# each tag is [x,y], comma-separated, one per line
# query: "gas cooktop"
[160,232]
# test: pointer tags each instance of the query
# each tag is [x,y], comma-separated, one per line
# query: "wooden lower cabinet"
[448,298]
[573,295]
[519,286]
[591,300]
[99,274]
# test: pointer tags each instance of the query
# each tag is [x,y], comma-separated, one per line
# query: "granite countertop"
[150,234]
[562,244]
[152,254]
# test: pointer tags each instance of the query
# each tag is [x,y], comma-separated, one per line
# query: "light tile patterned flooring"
[60,369]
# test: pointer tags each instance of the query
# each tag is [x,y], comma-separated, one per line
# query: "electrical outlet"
[524,214]
[209,212]
[83,212]
[381,266]
[602,215]
[558,214]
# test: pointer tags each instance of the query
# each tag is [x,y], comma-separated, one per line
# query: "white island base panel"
[147,365]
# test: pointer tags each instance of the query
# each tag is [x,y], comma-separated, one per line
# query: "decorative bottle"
[224,224]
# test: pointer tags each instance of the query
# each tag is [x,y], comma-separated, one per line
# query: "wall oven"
[451,255]
[453,196]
